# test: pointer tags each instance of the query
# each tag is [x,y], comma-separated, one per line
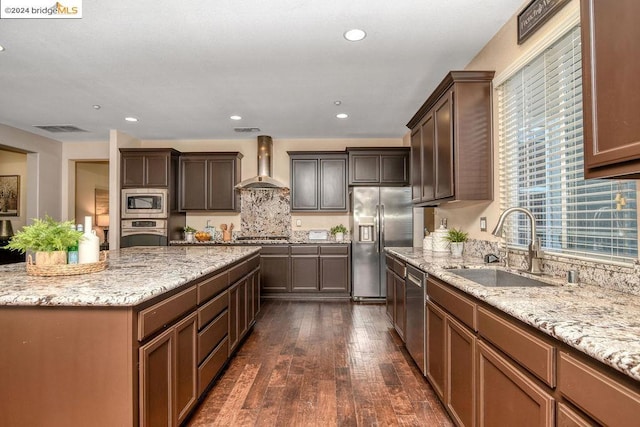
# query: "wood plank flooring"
[321,364]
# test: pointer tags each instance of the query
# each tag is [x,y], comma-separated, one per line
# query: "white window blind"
[541,163]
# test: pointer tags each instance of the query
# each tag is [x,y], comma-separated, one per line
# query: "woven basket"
[66,269]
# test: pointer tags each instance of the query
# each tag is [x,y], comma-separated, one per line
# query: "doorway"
[92,196]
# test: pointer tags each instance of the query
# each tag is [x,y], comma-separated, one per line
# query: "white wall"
[43,183]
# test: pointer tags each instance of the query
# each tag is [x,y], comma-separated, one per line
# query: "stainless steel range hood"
[265,161]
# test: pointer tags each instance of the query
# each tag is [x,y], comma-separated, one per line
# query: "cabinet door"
[156,381]
[304,273]
[364,169]
[193,184]
[242,308]
[274,273]
[251,310]
[506,396]
[256,292]
[334,274]
[394,169]
[156,170]
[304,184]
[416,165]
[133,170]
[221,194]
[400,312]
[233,317]
[461,373]
[443,116]
[333,184]
[428,159]
[436,348]
[186,366]
[390,299]
[611,89]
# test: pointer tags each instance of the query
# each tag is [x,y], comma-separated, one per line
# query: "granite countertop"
[259,242]
[599,322]
[133,276]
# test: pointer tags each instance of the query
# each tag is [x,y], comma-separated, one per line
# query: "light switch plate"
[483,223]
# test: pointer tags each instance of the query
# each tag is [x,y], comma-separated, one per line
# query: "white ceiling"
[184,67]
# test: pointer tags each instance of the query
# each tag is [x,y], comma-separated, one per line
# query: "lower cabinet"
[436,348]
[168,375]
[507,396]
[396,298]
[390,298]
[312,270]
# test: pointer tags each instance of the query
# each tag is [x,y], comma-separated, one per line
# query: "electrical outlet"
[483,223]
[298,223]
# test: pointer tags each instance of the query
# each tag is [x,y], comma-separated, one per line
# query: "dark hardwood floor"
[324,364]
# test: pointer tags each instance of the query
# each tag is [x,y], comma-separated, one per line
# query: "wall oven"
[145,203]
[143,232]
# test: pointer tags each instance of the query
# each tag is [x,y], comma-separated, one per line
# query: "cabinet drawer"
[253,263]
[334,250]
[212,309]
[238,272]
[208,370]
[160,315]
[212,335]
[459,306]
[274,250]
[531,352]
[598,395]
[212,286]
[304,250]
[399,268]
[567,417]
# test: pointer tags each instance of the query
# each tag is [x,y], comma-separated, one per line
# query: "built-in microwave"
[145,203]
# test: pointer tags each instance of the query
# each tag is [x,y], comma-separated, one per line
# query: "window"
[541,163]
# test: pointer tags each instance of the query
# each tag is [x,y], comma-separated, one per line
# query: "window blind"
[541,163]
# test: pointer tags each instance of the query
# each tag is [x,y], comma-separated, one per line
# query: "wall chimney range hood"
[265,162]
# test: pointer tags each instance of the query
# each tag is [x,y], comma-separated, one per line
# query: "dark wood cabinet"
[461,373]
[304,268]
[318,181]
[378,166]
[208,180]
[436,348]
[335,271]
[611,88]
[400,310]
[275,269]
[508,397]
[390,297]
[152,168]
[168,375]
[451,141]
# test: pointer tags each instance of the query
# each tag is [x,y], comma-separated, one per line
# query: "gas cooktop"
[270,237]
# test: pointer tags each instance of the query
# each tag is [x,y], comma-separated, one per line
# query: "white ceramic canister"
[89,244]
[440,242]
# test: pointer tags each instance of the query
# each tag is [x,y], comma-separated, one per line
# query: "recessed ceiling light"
[234,117]
[131,119]
[342,115]
[1,48]
[337,102]
[355,35]
[97,107]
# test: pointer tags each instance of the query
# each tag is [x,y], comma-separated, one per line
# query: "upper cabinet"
[142,167]
[611,88]
[451,139]
[378,166]
[318,181]
[208,180]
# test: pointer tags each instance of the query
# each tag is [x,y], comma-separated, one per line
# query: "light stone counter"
[133,276]
[599,322]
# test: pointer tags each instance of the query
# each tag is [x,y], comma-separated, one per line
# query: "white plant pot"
[189,237]
[457,248]
[339,237]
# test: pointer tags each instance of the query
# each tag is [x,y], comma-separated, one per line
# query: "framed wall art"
[9,195]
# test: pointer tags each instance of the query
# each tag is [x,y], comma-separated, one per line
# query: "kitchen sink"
[496,278]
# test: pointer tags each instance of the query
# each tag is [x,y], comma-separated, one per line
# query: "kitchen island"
[571,351]
[135,344]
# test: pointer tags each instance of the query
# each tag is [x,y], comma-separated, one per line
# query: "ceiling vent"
[246,130]
[60,128]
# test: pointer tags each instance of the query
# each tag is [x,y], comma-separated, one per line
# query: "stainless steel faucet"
[534,254]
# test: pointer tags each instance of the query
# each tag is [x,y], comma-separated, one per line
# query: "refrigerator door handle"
[377,228]
[381,227]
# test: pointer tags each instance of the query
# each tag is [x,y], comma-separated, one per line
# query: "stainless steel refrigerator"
[380,217]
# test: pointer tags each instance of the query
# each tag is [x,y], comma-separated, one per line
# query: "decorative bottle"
[89,245]
[72,251]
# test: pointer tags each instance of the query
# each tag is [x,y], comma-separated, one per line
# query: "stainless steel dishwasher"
[414,333]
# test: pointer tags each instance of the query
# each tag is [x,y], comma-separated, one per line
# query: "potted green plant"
[338,231]
[189,233]
[456,238]
[48,238]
